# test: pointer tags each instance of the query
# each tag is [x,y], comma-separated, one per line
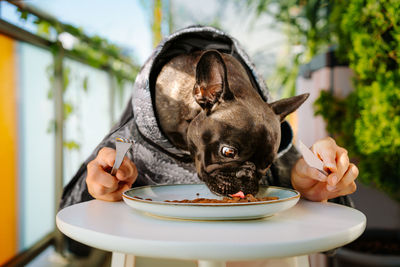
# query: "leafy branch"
[94,51]
[368,121]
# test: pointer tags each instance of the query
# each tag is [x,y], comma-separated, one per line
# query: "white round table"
[306,228]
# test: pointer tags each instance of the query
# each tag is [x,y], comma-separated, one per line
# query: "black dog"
[207,105]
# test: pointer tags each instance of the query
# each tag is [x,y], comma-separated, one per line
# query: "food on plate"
[233,199]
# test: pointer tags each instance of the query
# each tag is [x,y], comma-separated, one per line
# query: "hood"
[183,41]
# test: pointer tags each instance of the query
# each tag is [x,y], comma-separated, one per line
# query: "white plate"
[206,211]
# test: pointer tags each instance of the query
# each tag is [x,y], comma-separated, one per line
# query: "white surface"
[306,228]
[206,211]
[120,259]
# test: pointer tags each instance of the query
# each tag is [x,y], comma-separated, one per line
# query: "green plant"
[307,28]
[95,51]
[368,121]
[367,35]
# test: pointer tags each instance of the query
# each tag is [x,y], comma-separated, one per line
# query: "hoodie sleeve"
[76,190]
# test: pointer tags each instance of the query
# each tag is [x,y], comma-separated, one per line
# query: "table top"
[306,228]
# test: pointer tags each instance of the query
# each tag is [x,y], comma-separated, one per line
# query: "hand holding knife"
[311,159]
[325,173]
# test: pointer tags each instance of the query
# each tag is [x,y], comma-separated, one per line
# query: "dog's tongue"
[238,194]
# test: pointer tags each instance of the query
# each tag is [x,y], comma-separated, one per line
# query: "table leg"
[122,260]
[203,263]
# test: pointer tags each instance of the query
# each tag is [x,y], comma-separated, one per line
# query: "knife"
[311,159]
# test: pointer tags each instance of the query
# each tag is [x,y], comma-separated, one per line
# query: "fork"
[122,146]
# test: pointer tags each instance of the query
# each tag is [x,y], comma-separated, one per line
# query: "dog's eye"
[228,152]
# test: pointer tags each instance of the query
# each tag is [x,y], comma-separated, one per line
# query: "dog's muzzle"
[226,181]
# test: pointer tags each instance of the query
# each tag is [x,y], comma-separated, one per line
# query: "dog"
[207,105]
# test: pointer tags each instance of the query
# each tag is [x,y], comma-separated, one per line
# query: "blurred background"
[67,70]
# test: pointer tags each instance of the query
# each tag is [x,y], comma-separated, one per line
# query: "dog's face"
[231,150]
[234,139]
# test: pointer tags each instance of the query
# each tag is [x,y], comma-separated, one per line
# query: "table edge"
[204,251]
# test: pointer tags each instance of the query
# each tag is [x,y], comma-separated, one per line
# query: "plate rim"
[125,196]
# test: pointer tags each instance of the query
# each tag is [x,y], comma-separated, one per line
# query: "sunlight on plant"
[366,34]
[368,121]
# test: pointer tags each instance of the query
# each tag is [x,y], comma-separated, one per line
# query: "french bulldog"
[207,105]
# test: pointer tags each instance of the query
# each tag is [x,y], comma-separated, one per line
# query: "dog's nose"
[247,170]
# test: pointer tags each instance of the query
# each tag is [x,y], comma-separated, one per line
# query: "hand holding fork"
[109,185]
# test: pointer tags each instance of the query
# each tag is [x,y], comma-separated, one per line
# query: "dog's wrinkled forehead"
[252,134]
[244,114]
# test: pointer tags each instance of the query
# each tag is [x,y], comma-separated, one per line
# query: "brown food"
[247,198]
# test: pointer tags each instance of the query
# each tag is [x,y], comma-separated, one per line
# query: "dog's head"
[236,137]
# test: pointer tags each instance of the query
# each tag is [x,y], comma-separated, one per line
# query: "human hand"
[314,185]
[101,184]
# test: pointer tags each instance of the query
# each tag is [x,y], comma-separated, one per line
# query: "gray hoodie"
[157,160]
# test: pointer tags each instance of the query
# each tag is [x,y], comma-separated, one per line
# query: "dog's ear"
[211,81]
[285,106]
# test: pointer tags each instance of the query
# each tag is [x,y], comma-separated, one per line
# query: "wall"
[311,128]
